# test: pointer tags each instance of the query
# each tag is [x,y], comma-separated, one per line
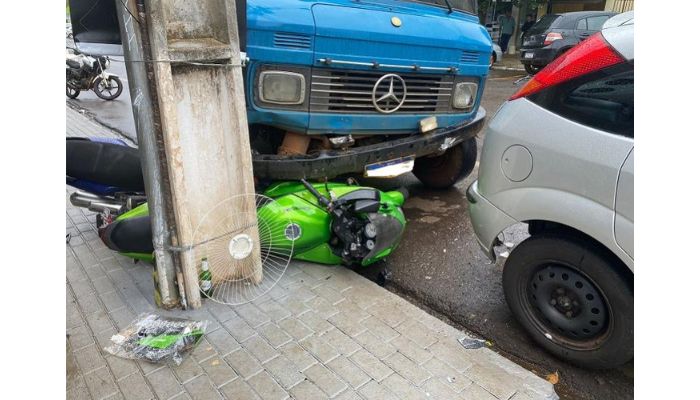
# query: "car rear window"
[544,23]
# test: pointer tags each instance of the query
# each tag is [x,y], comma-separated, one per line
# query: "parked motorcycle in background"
[84,72]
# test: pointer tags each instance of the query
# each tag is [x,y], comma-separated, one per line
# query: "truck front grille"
[350,91]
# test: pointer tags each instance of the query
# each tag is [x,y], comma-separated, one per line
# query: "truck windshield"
[461,5]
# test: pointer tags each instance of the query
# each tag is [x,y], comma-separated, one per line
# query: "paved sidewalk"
[322,332]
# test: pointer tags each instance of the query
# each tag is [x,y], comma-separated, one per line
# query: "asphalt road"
[439,265]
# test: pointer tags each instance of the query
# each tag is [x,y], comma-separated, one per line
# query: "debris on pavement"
[553,378]
[472,343]
[157,339]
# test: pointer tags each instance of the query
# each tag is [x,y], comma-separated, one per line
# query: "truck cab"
[326,79]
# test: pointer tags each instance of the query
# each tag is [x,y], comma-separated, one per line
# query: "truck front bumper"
[331,163]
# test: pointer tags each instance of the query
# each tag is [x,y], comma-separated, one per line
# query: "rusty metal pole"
[144,107]
[194,48]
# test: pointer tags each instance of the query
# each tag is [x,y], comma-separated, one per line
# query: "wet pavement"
[439,265]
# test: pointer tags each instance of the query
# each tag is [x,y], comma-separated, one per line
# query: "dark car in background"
[554,34]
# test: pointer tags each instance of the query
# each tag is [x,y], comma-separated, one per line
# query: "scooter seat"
[104,163]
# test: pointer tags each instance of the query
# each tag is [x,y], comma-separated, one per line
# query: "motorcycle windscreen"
[95,27]
[389,230]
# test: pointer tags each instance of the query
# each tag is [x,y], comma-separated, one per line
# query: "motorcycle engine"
[354,237]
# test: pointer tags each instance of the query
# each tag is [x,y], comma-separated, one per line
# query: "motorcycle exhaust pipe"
[99,206]
[94,202]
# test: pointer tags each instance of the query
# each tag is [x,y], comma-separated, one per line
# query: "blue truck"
[338,87]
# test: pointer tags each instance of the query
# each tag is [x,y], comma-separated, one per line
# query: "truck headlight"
[281,87]
[464,95]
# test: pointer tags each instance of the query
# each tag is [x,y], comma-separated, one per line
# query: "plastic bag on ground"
[157,339]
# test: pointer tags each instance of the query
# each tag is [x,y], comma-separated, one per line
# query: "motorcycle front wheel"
[109,89]
[72,93]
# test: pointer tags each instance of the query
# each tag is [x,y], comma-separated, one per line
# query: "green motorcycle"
[327,223]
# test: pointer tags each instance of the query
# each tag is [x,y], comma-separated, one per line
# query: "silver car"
[559,156]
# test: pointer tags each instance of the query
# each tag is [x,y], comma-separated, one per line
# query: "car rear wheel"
[569,297]
[531,69]
[443,171]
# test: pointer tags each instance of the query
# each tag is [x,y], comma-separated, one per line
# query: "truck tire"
[570,297]
[443,171]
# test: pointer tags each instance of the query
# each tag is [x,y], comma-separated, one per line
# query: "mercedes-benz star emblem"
[389,102]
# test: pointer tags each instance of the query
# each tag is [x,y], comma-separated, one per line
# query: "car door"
[624,206]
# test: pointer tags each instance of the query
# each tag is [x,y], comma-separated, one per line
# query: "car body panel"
[624,207]
[574,169]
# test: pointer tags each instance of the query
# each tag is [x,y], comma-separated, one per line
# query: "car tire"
[443,171]
[531,69]
[547,277]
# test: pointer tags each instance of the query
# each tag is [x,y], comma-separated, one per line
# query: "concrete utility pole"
[194,47]
[146,119]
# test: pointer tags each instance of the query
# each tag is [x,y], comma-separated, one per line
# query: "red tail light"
[552,37]
[590,55]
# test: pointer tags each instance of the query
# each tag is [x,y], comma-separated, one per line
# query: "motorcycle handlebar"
[321,198]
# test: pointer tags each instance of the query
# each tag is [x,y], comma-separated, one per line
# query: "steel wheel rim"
[567,306]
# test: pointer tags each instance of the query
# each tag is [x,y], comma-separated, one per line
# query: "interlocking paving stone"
[134,387]
[341,342]
[494,379]
[379,329]
[316,323]
[437,389]
[260,349]
[404,389]
[223,341]
[121,367]
[218,370]
[371,365]
[164,383]
[306,390]
[201,388]
[203,350]
[274,335]
[239,329]
[79,336]
[374,345]
[411,350]
[100,383]
[243,363]
[348,324]
[298,355]
[274,310]
[295,328]
[239,390]
[187,370]
[476,392]
[266,387]
[325,380]
[455,359]
[89,358]
[322,307]
[407,368]
[374,391]
[252,314]
[284,371]
[319,348]
[417,332]
[348,371]
[440,370]
[99,321]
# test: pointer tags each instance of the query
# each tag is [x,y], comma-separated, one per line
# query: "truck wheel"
[569,297]
[443,171]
